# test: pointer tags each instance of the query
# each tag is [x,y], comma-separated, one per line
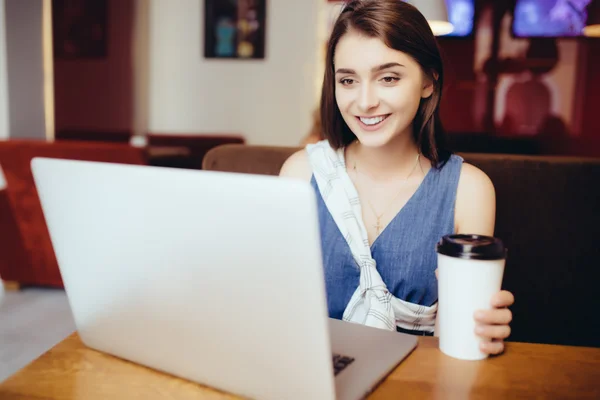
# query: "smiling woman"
[400,68]
[387,188]
[394,87]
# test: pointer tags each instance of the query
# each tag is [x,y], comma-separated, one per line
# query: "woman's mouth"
[372,123]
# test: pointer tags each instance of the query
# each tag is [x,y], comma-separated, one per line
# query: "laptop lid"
[214,277]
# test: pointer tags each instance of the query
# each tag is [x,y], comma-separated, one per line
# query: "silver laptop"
[213,277]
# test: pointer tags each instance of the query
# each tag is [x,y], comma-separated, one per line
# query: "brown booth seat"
[548,216]
[27,256]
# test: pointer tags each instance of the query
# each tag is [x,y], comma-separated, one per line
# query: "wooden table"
[71,371]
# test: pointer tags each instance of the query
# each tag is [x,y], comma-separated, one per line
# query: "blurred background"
[521,75]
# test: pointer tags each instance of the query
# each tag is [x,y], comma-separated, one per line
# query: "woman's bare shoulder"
[475,202]
[297,166]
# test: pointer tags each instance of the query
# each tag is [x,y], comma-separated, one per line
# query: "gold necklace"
[378,227]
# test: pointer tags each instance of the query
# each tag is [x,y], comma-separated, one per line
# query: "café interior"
[235,86]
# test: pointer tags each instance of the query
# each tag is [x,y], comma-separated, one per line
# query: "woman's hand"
[494,323]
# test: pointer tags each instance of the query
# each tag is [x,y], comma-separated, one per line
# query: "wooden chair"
[191,149]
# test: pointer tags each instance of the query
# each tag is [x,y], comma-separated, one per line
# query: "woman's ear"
[429,85]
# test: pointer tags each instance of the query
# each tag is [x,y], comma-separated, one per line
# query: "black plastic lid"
[472,247]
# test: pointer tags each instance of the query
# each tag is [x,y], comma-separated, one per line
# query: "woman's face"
[378,89]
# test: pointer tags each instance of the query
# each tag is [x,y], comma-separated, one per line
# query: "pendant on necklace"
[378,226]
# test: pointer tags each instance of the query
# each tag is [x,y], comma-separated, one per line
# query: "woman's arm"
[475,213]
[475,210]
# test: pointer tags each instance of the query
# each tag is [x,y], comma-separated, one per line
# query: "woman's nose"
[368,98]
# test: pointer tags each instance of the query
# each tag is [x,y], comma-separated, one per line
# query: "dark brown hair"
[401,27]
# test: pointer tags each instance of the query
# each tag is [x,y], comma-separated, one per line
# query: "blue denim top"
[404,251]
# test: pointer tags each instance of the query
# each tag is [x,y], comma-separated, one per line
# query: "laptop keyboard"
[340,362]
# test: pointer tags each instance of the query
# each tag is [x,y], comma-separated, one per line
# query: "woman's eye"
[390,79]
[347,81]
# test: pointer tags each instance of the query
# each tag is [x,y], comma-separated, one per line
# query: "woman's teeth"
[373,120]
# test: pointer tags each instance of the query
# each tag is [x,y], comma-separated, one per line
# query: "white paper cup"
[470,271]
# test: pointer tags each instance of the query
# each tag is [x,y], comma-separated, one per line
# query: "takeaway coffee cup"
[470,271]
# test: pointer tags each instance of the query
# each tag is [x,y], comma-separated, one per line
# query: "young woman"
[387,187]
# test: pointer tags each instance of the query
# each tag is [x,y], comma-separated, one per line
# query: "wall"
[560,81]
[140,57]
[591,92]
[3,80]
[97,94]
[24,58]
[546,97]
[268,101]
[464,106]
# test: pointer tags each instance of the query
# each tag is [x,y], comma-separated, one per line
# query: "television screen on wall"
[549,18]
[461,14]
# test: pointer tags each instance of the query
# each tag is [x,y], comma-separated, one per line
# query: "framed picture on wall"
[234,29]
[79,28]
